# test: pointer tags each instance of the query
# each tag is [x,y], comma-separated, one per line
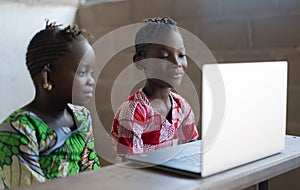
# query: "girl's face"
[72,75]
[165,63]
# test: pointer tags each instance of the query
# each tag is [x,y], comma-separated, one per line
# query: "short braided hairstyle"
[151,29]
[49,44]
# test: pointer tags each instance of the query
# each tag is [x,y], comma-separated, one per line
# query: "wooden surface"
[126,177]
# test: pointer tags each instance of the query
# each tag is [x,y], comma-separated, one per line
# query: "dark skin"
[51,106]
[164,67]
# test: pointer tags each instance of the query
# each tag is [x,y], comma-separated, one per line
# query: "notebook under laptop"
[243,119]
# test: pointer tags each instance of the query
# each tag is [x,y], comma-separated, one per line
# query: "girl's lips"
[177,75]
[88,93]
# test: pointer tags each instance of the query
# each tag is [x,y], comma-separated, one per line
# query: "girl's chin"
[81,102]
[166,83]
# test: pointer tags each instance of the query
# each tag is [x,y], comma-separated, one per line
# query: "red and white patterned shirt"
[138,128]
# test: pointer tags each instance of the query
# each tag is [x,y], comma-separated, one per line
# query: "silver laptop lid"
[243,113]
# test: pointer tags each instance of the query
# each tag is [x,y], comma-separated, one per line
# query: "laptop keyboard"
[193,159]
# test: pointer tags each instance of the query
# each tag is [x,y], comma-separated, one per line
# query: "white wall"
[19,21]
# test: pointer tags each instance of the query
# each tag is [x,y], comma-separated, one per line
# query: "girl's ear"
[136,60]
[46,78]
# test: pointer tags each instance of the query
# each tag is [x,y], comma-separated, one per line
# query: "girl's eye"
[182,56]
[82,73]
[164,57]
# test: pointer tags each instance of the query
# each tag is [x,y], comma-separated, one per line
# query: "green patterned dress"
[30,152]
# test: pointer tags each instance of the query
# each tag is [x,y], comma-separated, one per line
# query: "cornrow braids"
[164,20]
[49,44]
[151,29]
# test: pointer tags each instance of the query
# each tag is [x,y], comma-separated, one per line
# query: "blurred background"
[233,30]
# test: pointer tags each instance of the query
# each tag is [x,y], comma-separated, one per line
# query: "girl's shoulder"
[79,110]
[12,116]
[137,98]
[21,115]
[179,100]
[136,106]
[23,122]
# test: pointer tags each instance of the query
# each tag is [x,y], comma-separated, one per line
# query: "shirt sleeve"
[127,129]
[19,155]
[90,159]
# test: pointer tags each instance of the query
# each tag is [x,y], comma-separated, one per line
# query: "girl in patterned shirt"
[154,117]
[50,137]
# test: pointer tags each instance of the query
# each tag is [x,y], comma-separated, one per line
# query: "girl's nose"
[177,61]
[91,81]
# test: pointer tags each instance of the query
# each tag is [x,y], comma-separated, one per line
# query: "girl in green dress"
[52,135]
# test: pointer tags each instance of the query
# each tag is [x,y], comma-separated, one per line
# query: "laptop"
[243,119]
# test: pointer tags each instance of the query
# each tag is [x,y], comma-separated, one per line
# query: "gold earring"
[47,86]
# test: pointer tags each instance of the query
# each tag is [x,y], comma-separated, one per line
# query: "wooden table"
[125,177]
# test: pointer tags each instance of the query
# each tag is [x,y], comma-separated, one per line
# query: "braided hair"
[49,44]
[151,29]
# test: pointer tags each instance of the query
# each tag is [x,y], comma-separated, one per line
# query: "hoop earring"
[47,86]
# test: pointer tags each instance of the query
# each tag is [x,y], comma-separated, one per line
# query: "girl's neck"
[154,91]
[46,109]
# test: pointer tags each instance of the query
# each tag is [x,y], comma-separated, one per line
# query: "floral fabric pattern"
[31,152]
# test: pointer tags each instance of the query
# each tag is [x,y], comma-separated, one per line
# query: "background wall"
[234,30]
[19,21]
